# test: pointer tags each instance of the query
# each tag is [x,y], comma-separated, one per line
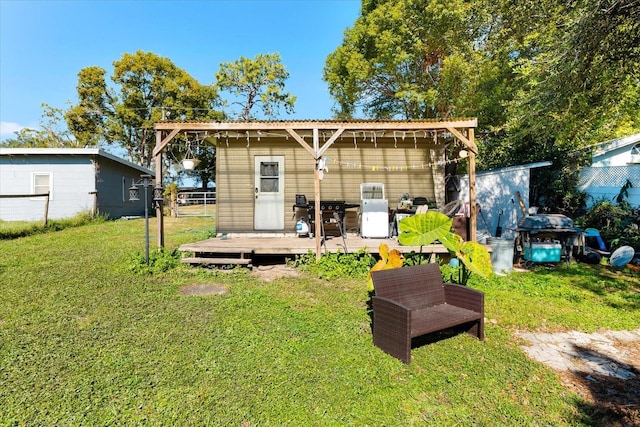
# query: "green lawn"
[84,340]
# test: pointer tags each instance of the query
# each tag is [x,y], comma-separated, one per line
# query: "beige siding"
[404,166]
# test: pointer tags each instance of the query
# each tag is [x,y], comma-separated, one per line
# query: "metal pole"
[146,220]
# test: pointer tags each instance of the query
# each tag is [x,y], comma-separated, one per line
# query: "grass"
[84,340]
[14,229]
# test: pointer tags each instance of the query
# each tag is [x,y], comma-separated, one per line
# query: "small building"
[76,179]
[614,164]
[263,168]
[497,192]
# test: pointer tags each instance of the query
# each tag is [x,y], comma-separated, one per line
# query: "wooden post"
[473,219]
[46,209]
[159,213]
[94,210]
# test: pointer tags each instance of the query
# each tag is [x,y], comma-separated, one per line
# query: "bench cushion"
[436,318]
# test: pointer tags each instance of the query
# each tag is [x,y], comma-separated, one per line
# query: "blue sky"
[45,43]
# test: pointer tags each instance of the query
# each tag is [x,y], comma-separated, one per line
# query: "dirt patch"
[202,290]
[272,272]
[603,368]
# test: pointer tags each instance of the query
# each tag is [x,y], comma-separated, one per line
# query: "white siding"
[71,184]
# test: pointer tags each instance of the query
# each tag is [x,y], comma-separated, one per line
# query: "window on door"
[269,177]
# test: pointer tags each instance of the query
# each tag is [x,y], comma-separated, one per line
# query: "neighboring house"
[496,191]
[613,164]
[77,180]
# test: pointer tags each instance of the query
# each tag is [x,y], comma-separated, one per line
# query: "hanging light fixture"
[189,162]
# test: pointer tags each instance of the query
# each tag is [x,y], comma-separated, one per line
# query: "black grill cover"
[545,222]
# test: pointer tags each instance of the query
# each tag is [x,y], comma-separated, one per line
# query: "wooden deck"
[248,249]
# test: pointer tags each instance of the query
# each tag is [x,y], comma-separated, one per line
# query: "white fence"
[196,203]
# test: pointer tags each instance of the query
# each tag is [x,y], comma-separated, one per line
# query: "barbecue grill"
[547,238]
[327,211]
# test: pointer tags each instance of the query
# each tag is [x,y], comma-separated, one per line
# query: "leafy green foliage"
[256,82]
[335,265]
[618,223]
[424,229]
[412,59]
[49,135]
[546,79]
[148,88]
[160,261]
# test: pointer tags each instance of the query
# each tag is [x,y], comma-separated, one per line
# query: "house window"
[42,183]
[635,150]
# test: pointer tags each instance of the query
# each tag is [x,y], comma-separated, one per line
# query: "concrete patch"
[597,353]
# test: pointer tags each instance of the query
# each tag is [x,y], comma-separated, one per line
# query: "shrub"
[618,224]
[335,265]
[160,261]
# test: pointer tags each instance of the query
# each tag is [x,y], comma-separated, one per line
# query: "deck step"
[216,261]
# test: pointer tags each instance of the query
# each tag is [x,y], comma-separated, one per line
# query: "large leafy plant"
[425,229]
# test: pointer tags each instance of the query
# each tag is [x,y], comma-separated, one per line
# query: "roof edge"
[73,152]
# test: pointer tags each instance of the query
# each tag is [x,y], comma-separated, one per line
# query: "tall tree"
[146,88]
[258,82]
[544,78]
[576,68]
[407,58]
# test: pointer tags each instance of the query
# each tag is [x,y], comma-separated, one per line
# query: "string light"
[394,168]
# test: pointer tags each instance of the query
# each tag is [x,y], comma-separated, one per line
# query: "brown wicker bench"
[412,301]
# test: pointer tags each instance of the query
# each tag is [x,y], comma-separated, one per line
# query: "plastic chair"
[592,232]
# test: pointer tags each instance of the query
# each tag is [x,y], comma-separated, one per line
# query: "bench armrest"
[464,297]
[391,314]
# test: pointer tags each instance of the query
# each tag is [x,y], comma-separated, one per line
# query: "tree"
[256,82]
[409,58]
[49,136]
[544,78]
[147,88]
[576,74]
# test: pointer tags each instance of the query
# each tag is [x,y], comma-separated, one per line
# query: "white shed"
[496,191]
[77,180]
[613,164]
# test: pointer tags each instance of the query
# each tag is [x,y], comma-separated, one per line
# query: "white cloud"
[8,128]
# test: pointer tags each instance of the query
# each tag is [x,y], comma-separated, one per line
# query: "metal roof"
[320,124]
[72,152]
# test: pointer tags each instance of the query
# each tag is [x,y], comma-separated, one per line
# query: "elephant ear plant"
[388,259]
[424,229]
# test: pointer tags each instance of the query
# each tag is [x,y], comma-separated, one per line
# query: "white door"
[268,212]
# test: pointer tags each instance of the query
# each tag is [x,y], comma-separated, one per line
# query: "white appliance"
[374,219]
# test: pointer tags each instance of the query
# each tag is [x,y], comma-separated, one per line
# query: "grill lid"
[545,222]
